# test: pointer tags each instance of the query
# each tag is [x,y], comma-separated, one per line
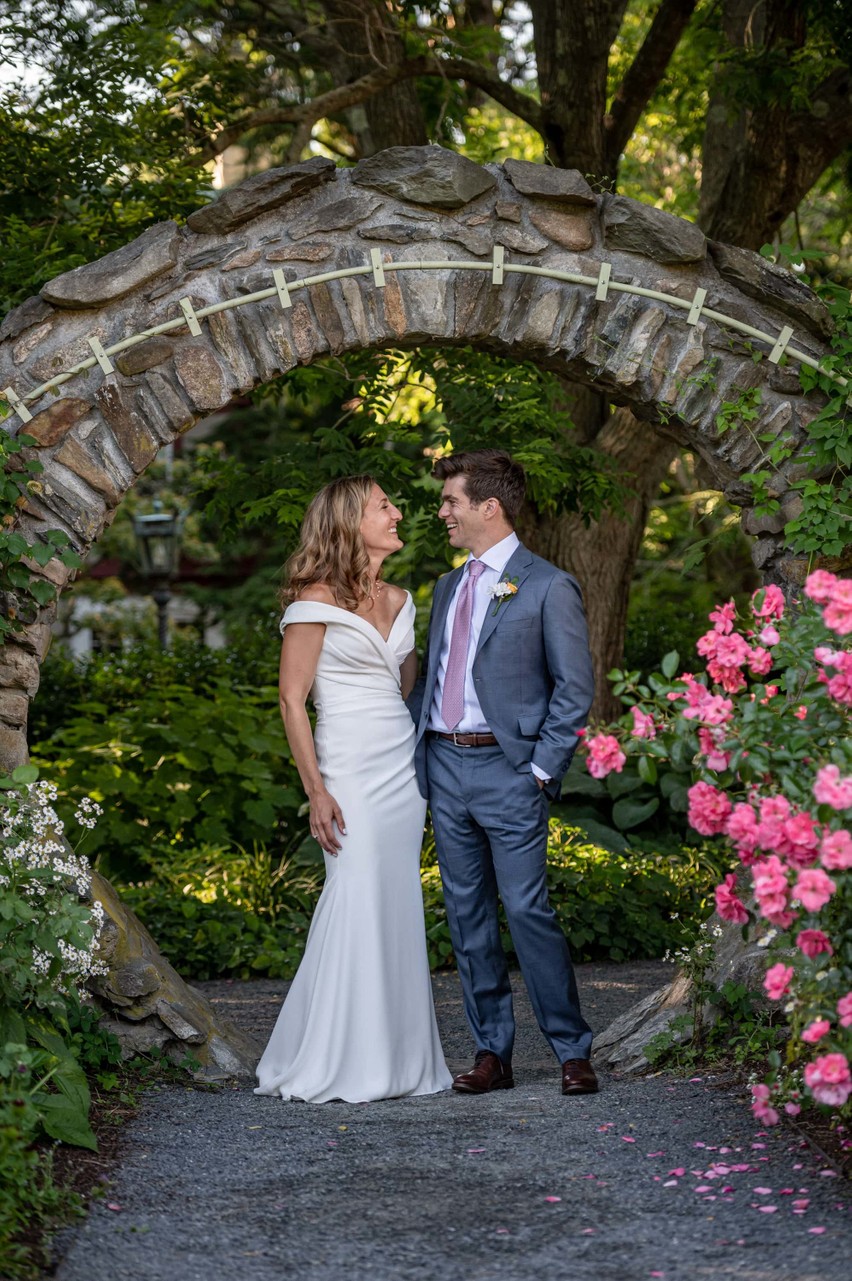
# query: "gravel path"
[657,1177]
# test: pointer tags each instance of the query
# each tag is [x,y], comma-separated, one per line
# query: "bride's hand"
[325,812]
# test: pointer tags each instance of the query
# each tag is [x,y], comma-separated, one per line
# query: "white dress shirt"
[473,720]
[495,561]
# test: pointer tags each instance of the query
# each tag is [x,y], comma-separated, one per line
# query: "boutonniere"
[503,591]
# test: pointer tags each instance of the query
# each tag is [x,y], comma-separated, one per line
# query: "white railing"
[603,284]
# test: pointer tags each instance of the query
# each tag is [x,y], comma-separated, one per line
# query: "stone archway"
[120,356]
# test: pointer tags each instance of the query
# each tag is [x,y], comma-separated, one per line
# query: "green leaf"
[647,769]
[621,784]
[66,1121]
[23,775]
[630,812]
[670,663]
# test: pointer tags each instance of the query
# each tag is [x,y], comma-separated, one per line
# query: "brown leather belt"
[467,740]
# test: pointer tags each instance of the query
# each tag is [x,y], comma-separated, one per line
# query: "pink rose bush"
[761,739]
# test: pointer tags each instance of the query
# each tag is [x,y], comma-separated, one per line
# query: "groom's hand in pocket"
[325,813]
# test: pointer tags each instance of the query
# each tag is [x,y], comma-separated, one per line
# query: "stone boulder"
[149,1007]
[424,176]
[621,1046]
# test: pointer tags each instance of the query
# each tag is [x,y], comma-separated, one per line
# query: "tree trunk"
[366,37]
[603,555]
[761,159]
[572,44]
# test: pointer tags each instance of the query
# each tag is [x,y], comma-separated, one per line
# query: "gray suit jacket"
[532,668]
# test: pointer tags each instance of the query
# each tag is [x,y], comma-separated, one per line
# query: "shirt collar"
[498,556]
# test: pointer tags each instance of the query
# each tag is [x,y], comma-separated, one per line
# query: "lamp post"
[158,542]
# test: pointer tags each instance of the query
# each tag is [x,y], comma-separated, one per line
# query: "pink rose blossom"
[643,724]
[708,809]
[768,602]
[605,756]
[813,889]
[760,1105]
[818,586]
[831,789]
[800,712]
[835,851]
[709,740]
[829,1080]
[777,981]
[844,1010]
[792,1109]
[827,656]
[813,943]
[838,612]
[771,889]
[759,661]
[769,635]
[840,686]
[741,827]
[799,841]
[816,1031]
[706,644]
[722,618]
[774,812]
[731,651]
[728,905]
[730,678]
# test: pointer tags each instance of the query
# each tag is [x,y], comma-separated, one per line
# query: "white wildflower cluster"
[43,881]
[88,813]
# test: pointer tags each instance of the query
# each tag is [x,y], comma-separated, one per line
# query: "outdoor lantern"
[158,537]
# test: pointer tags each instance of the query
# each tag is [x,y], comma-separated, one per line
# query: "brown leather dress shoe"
[488,1073]
[578,1077]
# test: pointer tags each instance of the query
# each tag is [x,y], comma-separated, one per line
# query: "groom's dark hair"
[488,473]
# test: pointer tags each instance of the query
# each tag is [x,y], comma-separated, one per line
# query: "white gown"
[358,1022]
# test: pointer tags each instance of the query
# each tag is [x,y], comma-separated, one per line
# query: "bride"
[358,1022]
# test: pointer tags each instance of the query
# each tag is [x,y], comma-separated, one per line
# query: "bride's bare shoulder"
[319,593]
[397,595]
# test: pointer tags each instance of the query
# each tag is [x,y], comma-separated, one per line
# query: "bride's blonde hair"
[331,549]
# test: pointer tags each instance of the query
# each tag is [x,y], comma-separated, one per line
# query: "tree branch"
[339,99]
[644,74]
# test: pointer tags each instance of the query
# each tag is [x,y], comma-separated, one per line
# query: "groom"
[507,685]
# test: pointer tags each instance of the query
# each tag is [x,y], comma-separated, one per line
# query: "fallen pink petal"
[816,1231]
[553,1198]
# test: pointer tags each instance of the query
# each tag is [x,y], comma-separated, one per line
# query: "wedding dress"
[358,1022]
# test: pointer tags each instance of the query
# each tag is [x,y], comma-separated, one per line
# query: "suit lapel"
[518,566]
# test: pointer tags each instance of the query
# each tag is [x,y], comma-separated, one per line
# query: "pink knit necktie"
[452,703]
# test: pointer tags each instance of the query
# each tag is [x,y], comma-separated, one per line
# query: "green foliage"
[822,525]
[115,680]
[228,913]
[218,912]
[28,1195]
[21,593]
[379,413]
[178,766]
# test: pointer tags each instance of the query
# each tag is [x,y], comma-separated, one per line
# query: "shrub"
[764,735]
[180,767]
[48,940]
[219,912]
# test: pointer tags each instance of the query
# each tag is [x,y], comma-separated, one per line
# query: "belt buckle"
[456,742]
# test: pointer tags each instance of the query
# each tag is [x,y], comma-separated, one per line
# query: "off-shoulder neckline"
[358,618]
